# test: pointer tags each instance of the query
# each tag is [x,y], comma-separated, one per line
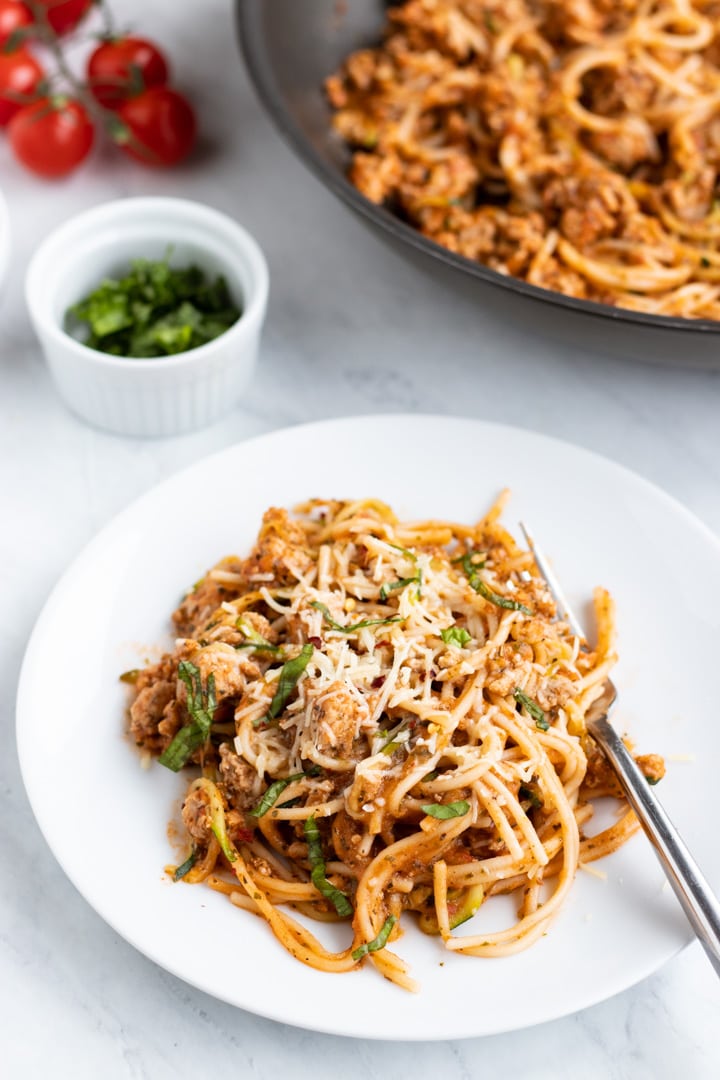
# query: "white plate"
[105,818]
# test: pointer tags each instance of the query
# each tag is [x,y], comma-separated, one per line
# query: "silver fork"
[689,885]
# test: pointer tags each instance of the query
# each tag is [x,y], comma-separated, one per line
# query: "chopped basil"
[185,867]
[130,676]
[393,586]
[201,705]
[531,708]
[290,802]
[468,563]
[317,870]
[456,635]
[444,811]
[156,310]
[378,942]
[273,793]
[652,780]
[499,601]
[533,798]
[470,566]
[405,551]
[392,745]
[253,640]
[430,776]
[357,626]
[287,681]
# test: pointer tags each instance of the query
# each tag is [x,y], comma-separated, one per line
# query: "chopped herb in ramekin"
[156,310]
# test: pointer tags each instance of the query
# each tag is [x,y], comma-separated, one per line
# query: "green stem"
[107,18]
[50,40]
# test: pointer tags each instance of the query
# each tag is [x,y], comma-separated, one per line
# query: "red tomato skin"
[111,64]
[20,74]
[161,125]
[51,141]
[13,16]
[64,15]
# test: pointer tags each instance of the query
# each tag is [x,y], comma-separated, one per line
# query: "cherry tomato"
[52,136]
[64,15]
[158,127]
[20,76]
[13,17]
[119,68]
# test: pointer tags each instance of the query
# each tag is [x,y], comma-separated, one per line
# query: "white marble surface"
[353,328]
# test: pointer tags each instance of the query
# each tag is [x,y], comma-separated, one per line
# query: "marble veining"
[353,327]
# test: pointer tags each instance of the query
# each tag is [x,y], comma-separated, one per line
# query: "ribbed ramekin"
[167,395]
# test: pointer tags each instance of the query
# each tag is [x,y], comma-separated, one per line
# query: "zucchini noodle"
[571,143]
[383,717]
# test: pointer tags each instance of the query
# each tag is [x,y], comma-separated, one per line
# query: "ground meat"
[445,183]
[239,781]
[357,128]
[376,175]
[554,275]
[174,717]
[569,21]
[198,606]
[155,689]
[164,671]
[627,147]
[610,92]
[146,713]
[652,766]
[336,92]
[505,241]
[510,667]
[530,630]
[261,625]
[335,719]
[590,207]
[501,104]
[518,240]
[360,68]
[691,196]
[347,836]
[232,668]
[536,596]
[237,828]
[196,817]
[601,779]
[322,791]
[617,13]
[279,552]
[554,693]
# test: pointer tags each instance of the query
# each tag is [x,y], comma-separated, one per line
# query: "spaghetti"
[386,717]
[571,143]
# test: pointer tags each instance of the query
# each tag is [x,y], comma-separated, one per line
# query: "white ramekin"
[168,395]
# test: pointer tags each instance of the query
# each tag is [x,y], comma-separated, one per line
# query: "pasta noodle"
[383,717]
[571,143]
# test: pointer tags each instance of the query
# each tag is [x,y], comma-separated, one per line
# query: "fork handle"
[692,890]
